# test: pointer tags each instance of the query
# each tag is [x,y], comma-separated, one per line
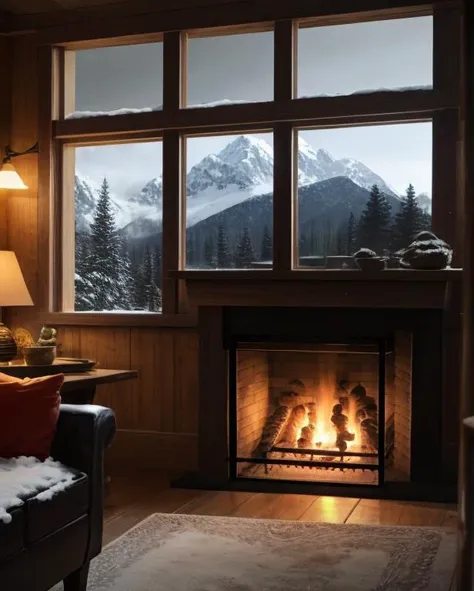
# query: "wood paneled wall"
[156,414]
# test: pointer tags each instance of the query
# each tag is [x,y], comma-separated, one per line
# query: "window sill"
[120,320]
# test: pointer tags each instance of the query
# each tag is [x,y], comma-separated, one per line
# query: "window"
[380,55]
[362,187]
[114,80]
[229,201]
[230,69]
[275,184]
[117,227]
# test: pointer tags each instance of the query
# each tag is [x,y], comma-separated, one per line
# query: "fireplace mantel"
[395,288]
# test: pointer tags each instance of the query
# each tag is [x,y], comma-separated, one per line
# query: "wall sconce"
[9,178]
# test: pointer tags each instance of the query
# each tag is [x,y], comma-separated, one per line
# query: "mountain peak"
[242,147]
[324,156]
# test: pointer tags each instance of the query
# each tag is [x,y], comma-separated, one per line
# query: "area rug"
[200,553]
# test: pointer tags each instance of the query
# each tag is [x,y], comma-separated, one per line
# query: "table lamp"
[13,292]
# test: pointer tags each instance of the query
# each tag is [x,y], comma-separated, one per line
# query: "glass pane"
[229,202]
[113,80]
[230,69]
[118,213]
[381,55]
[362,187]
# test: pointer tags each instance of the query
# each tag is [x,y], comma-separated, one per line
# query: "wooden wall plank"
[5,74]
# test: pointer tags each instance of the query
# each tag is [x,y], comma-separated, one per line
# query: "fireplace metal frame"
[239,343]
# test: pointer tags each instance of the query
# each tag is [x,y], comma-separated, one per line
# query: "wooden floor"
[133,497]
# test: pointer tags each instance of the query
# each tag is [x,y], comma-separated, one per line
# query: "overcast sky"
[331,60]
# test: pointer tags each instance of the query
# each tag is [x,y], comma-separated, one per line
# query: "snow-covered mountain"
[239,172]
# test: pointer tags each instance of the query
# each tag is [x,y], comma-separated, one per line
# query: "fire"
[321,421]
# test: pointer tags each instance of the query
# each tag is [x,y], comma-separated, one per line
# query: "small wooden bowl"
[371,263]
[38,355]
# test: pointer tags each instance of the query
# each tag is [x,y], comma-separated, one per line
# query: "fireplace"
[321,412]
[278,354]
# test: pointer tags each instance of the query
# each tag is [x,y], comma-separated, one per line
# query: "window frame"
[283,115]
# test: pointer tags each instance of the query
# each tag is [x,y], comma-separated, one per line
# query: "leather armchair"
[59,537]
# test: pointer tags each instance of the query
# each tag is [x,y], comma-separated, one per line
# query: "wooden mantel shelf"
[392,288]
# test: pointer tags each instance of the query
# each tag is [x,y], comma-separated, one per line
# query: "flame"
[324,431]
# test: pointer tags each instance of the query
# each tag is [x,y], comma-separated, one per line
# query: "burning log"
[340,422]
[370,433]
[272,429]
[307,436]
[296,422]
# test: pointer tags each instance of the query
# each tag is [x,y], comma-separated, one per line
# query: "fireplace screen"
[313,412]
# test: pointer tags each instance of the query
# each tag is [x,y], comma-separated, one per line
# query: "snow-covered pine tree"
[223,251]
[190,251]
[374,225]
[303,245]
[82,285]
[157,269]
[245,255]
[209,252]
[108,264]
[410,220]
[351,235]
[266,250]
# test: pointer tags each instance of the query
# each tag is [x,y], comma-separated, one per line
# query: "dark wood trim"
[119,320]
[283,196]
[170,248]
[322,294]
[323,275]
[445,214]
[219,15]
[465,570]
[213,396]
[47,208]
[285,71]
[172,157]
[390,106]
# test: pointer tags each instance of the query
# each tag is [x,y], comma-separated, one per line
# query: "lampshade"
[9,178]
[13,290]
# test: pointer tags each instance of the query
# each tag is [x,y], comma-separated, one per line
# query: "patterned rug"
[199,553]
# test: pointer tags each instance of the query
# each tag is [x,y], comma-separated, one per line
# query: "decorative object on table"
[23,338]
[426,252]
[63,365]
[47,337]
[367,260]
[277,555]
[39,355]
[13,292]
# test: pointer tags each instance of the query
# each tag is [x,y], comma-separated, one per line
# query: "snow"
[211,201]
[22,477]
[369,91]
[130,111]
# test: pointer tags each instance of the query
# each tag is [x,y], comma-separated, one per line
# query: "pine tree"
[266,249]
[223,250]
[209,252]
[374,225]
[410,220]
[190,251]
[157,269]
[147,292]
[82,284]
[108,264]
[351,235]
[245,255]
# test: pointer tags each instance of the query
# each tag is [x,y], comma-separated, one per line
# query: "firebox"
[323,412]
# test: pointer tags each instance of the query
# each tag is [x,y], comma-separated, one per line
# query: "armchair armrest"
[82,435]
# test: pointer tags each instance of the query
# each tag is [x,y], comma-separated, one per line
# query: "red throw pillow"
[29,411]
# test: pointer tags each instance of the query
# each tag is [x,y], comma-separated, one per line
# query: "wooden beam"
[47,207]
[465,565]
[5,98]
[318,111]
[242,12]
[172,172]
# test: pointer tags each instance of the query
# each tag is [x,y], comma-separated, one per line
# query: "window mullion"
[283,147]
[171,232]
